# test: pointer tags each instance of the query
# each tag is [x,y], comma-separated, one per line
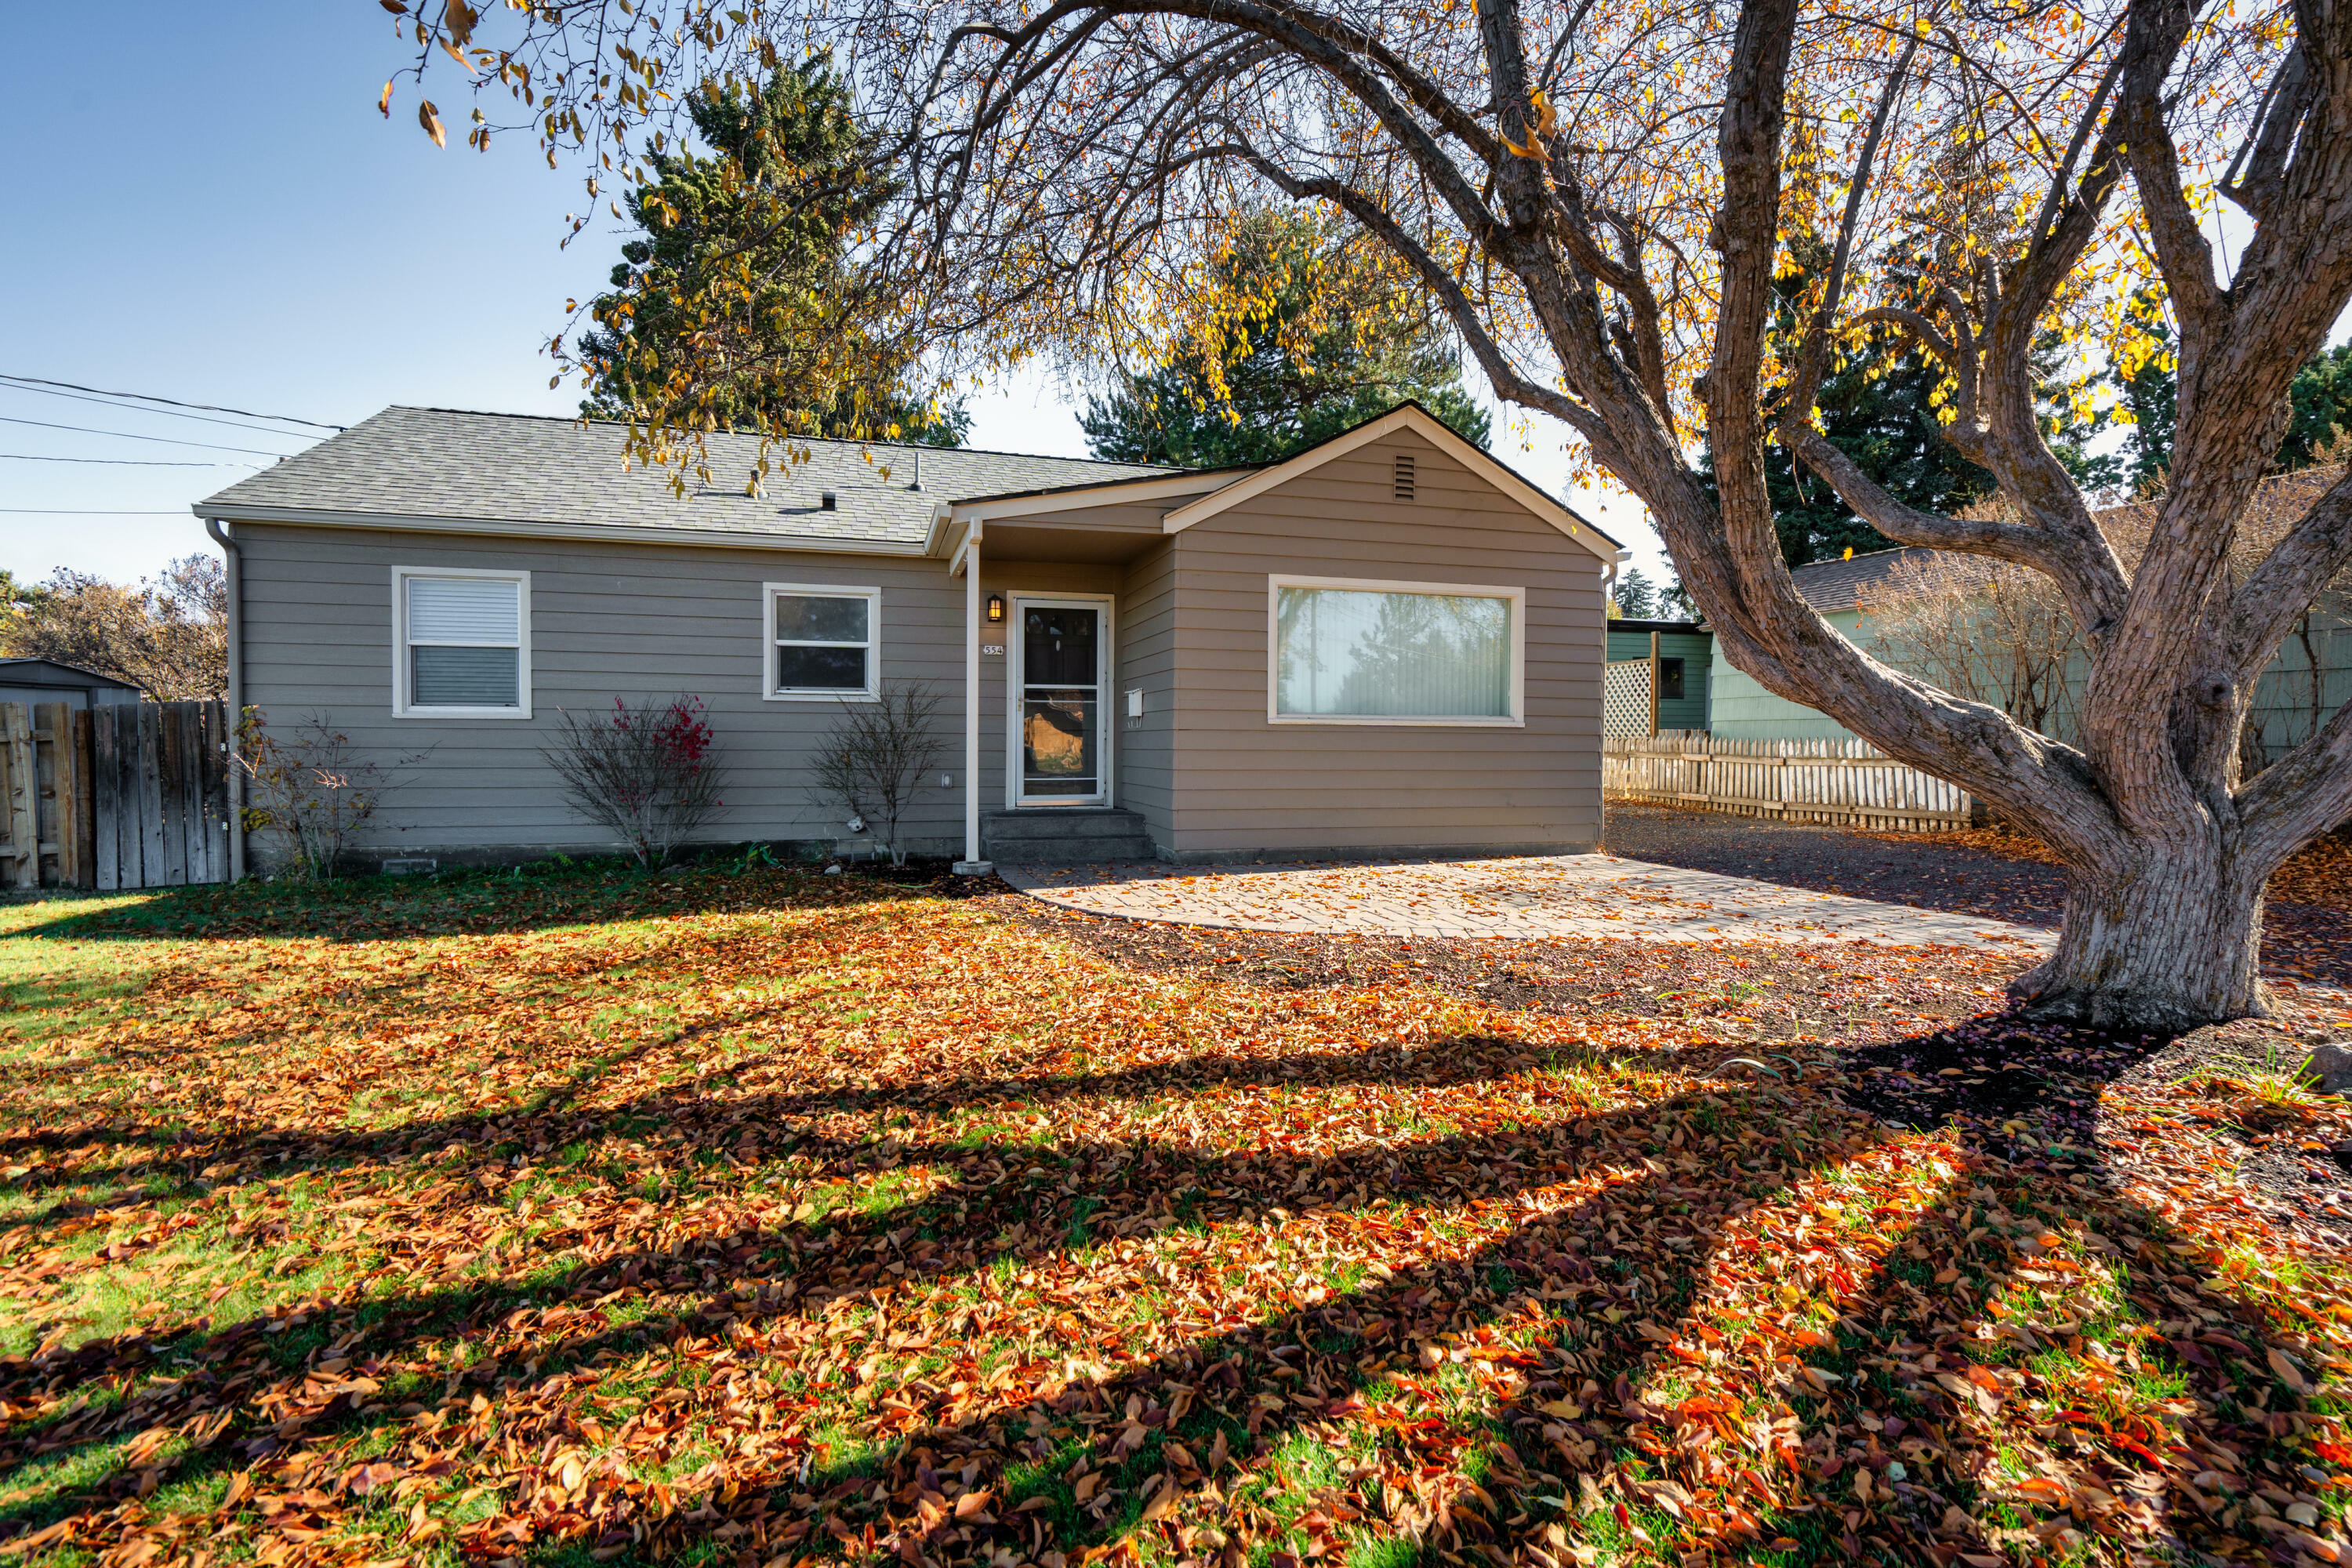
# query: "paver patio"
[1518,897]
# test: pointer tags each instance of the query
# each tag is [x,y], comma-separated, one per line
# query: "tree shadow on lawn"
[369,909]
[363,999]
[463,1143]
[1595,1313]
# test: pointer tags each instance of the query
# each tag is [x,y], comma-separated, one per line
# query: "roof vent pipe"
[919,470]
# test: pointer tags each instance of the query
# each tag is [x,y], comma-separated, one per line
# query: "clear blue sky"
[220,215]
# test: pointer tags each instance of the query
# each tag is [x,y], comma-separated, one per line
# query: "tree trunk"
[2164,946]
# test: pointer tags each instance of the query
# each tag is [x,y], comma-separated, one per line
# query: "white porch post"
[972,865]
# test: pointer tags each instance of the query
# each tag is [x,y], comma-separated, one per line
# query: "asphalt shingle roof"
[1831,585]
[511,467]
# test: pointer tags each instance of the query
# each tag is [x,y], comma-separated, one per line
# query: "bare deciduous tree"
[873,763]
[168,637]
[1602,198]
[1984,630]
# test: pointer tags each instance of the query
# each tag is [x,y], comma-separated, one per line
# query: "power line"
[8,384]
[127,435]
[125,462]
[150,397]
[83,512]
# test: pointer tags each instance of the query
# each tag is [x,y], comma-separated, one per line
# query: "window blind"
[478,610]
[1360,654]
[464,642]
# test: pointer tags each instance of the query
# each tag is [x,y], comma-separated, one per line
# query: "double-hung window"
[1348,652]
[822,642]
[461,643]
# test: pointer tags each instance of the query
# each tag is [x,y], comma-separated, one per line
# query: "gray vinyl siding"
[1203,766]
[1243,785]
[605,621]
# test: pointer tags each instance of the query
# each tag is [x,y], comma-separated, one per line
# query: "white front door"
[1060,673]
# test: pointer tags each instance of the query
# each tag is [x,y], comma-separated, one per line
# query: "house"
[1390,644]
[38,680]
[1685,655]
[1741,710]
[2307,680]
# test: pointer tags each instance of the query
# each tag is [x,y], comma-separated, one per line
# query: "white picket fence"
[1796,781]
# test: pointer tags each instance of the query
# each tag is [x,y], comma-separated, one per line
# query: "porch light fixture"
[995,609]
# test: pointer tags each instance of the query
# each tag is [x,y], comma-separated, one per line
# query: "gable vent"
[1404,477]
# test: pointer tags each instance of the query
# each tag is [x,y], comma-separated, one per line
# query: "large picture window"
[1353,652]
[823,642]
[461,643]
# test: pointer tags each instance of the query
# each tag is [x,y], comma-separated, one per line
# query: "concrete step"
[1072,836]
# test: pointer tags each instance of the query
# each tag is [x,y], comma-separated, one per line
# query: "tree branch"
[2300,796]
[2290,579]
[1503,375]
[1812,359]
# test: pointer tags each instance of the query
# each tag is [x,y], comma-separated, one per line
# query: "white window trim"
[771,592]
[1515,719]
[402,707]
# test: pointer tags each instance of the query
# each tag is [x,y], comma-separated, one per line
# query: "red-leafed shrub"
[648,771]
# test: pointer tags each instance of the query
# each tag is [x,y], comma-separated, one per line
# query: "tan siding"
[1148,661]
[1240,784]
[605,621]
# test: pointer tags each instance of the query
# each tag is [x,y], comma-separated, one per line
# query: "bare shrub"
[1994,632]
[875,759]
[1981,629]
[315,788]
[2289,704]
[648,771]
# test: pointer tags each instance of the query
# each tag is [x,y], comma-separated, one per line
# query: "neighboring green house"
[2285,711]
[1686,663]
[1743,711]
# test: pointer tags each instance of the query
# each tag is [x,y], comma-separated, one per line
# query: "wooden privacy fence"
[37,785]
[1797,781]
[127,795]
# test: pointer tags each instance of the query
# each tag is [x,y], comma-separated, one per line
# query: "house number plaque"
[993,650]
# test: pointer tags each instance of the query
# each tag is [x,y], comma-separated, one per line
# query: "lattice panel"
[1626,698]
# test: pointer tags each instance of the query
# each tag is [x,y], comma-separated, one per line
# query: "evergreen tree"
[2322,395]
[1878,409]
[1637,599]
[2150,394]
[1311,339]
[1875,409]
[744,262]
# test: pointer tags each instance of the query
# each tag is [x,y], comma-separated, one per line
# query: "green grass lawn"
[752,1217]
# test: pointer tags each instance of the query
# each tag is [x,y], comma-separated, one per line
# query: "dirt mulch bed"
[2320,873]
[1753,990]
[2306,933]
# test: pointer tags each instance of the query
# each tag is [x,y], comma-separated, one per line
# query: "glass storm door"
[1060,720]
